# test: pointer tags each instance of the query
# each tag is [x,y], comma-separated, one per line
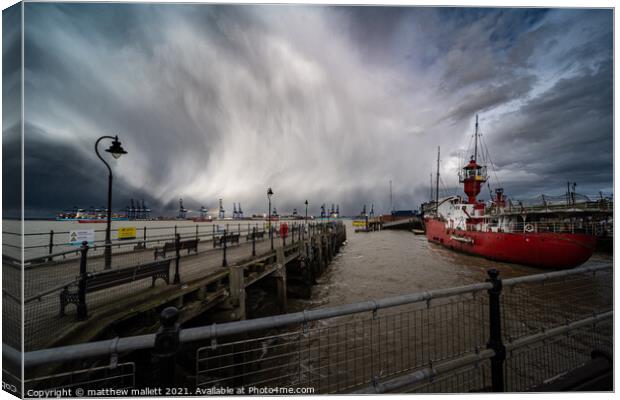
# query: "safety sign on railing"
[127,233]
[84,235]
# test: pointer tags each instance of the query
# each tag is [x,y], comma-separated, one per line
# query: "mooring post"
[237,291]
[224,262]
[495,332]
[166,346]
[253,241]
[177,249]
[82,312]
[280,276]
[51,245]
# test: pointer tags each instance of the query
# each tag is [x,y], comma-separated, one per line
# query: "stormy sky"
[323,103]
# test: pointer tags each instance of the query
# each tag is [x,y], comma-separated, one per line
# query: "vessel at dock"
[554,236]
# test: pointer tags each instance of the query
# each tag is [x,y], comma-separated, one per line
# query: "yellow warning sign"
[127,233]
[359,223]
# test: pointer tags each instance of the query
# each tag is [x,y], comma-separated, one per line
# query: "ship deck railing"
[602,228]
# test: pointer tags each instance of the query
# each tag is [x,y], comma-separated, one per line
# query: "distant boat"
[92,216]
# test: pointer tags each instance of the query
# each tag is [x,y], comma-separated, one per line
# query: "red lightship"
[537,237]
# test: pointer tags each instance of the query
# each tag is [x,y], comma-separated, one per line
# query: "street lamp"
[306,211]
[116,150]
[269,194]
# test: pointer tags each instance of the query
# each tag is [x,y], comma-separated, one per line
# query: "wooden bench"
[257,234]
[218,241]
[188,245]
[106,279]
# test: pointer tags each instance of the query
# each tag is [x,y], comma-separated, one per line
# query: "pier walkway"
[203,281]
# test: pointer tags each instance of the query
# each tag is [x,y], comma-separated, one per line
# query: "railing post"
[224,262]
[177,248]
[82,311]
[144,236]
[196,231]
[51,249]
[166,346]
[495,332]
[253,241]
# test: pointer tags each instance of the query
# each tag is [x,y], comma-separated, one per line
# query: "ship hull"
[541,250]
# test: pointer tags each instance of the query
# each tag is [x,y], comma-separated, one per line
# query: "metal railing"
[585,227]
[46,246]
[485,336]
[46,281]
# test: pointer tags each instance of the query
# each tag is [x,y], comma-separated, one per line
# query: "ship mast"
[437,181]
[476,141]
[391,199]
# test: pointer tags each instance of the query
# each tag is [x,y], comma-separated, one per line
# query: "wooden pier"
[211,279]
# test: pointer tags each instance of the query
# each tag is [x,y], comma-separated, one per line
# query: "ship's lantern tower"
[472,176]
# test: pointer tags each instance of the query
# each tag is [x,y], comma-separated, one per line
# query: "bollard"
[165,349]
[177,248]
[82,311]
[51,245]
[495,332]
[253,241]
[224,262]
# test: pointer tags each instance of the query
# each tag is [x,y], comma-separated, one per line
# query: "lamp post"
[269,194]
[306,211]
[116,150]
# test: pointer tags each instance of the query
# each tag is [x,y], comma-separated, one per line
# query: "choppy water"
[388,263]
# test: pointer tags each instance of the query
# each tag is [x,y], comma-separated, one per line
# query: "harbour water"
[388,263]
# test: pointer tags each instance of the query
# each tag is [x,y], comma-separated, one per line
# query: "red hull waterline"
[542,250]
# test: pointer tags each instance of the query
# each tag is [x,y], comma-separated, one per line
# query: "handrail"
[554,275]
[188,335]
[440,368]
[118,244]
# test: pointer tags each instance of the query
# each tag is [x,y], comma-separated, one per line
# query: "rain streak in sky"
[324,103]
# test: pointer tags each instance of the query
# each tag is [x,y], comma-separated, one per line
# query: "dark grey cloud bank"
[323,103]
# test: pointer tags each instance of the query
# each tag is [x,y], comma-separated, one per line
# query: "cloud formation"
[320,103]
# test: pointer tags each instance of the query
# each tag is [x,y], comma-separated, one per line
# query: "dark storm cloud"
[566,135]
[11,112]
[322,103]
